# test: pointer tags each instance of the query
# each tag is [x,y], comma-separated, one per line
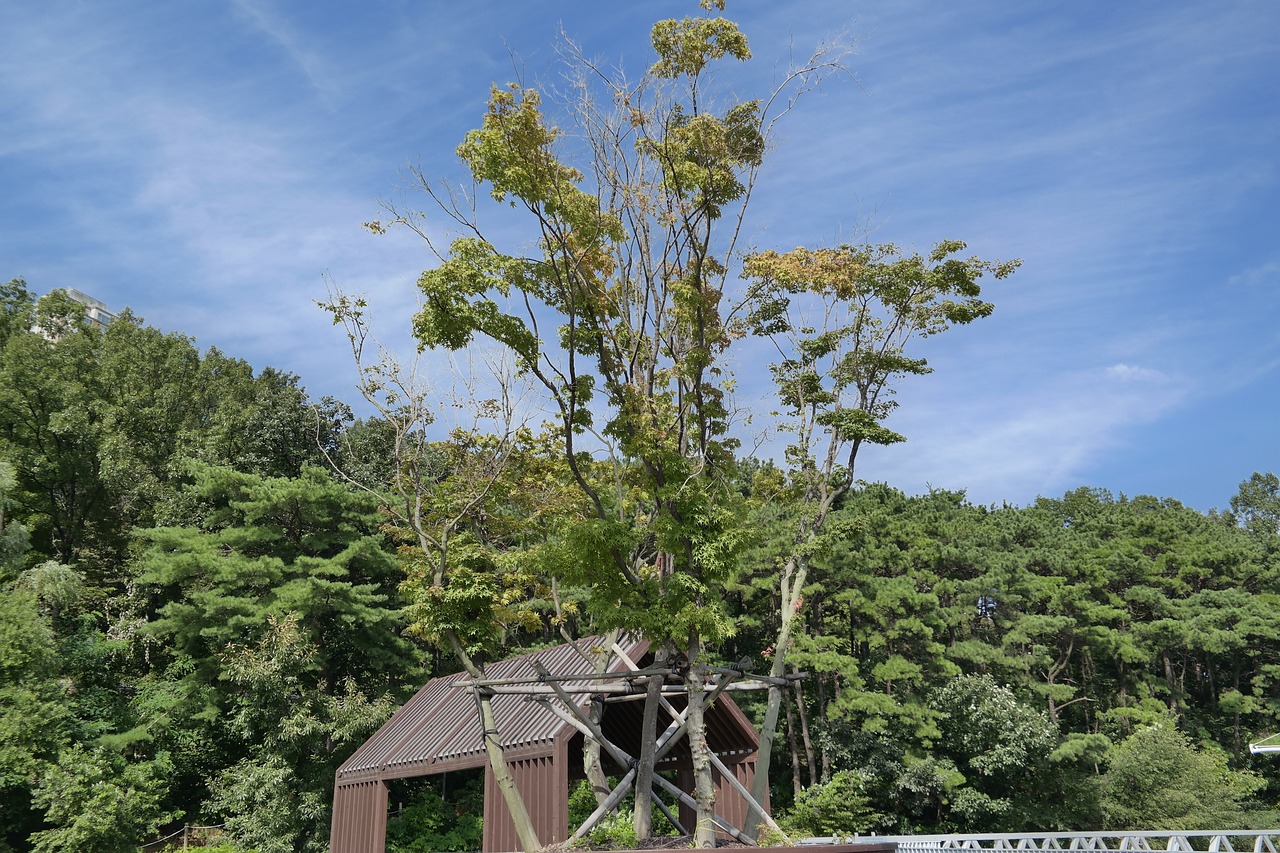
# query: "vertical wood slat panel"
[359,818]
[543,782]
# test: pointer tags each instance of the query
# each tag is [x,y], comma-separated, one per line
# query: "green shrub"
[839,806]
[431,824]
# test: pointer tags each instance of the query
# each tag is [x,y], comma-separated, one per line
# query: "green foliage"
[1257,504]
[35,719]
[429,822]
[840,806]
[265,811]
[1000,747]
[277,799]
[661,541]
[281,643]
[1157,779]
[1095,616]
[873,301]
[267,547]
[617,830]
[685,47]
[115,710]
[17,309]
[95,800]
[97,424]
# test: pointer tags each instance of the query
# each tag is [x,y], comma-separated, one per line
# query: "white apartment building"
[96,312]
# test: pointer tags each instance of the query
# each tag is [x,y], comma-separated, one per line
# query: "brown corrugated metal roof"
[438,730]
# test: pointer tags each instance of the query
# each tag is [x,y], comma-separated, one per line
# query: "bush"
[431,824]
[839,806]
[1158,779]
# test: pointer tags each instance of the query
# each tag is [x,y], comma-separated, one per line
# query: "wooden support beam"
[546,685]
[502,685]
[583,723]
[637,695]
[680,718]
[571,706]
[689,801]
[753,807]
[610,803]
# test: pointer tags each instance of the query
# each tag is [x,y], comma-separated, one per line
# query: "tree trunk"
[497,759]
[592,767]
[502,775]
[797,785]
[804,732]
[1171,681]
[704,794]
[792,581]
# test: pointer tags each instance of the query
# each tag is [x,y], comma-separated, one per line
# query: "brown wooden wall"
[729,803]
[359,818]
[544,783]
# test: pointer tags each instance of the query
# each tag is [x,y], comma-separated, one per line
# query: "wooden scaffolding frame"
[548,689]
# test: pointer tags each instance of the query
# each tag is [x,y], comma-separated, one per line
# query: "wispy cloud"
[1264,275]
[275,26]
[1014,443]
[208,165]
[1133,373]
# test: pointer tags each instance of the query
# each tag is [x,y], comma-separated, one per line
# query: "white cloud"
[1133,373]
[1014,440]
[311,63]
[1263,275]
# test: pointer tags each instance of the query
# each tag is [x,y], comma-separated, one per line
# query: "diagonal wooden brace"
[584,724]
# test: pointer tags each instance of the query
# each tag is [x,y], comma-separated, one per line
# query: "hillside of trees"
[203,615]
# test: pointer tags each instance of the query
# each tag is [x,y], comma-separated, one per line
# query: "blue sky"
[209,163]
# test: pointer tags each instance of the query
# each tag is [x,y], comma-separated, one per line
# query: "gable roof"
[438,730]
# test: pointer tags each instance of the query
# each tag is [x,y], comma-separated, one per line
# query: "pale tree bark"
[804,733]
[592,767]
[797,785]
[790,584]
[704,834]
[428,520]
[494,751]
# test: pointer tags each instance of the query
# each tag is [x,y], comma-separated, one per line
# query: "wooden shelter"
[438,731]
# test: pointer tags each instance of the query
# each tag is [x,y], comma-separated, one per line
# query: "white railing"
[1231,841]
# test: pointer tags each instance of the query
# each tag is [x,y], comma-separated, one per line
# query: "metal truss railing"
[1233,841]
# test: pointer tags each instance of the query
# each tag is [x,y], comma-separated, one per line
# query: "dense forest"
[215,587]
[207,606]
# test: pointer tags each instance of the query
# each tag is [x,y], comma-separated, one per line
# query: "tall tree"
[1257,503]
[618,318]
[99,422]
[441,495]
[1158,779]
[280,596]
[841,320]
[50,429]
